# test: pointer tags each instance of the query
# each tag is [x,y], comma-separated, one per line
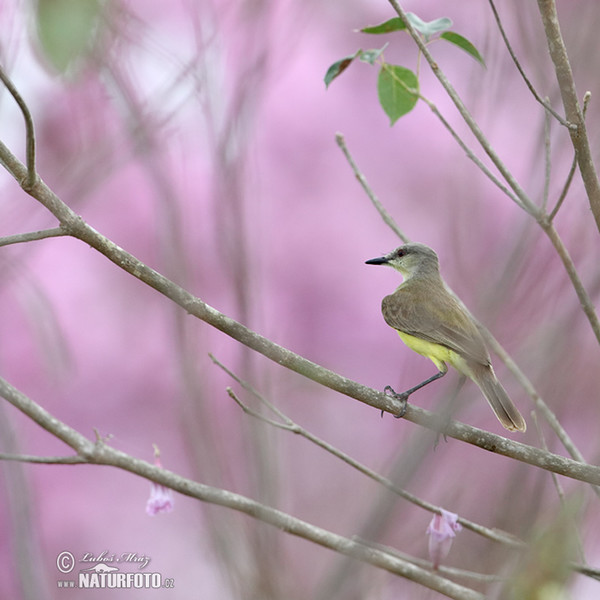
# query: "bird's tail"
[506,411]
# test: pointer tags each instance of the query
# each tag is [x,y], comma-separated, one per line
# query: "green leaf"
[338,67]
[464,43]
[428,28]
[398,90]
[370,56]
[66,29]
[394,24]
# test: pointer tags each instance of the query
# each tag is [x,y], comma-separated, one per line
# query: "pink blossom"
[161,497]
[441,531]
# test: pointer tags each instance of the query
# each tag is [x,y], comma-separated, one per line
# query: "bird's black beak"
[377,261]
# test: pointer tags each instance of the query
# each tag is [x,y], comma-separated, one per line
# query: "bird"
[433,322]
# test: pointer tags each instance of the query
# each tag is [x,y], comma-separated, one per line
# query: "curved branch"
[31,175]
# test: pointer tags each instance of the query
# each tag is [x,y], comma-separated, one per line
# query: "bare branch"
[20,238]
[573,112]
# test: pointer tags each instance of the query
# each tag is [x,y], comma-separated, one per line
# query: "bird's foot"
[402,398]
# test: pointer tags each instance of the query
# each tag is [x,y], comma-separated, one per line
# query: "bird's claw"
[402,398]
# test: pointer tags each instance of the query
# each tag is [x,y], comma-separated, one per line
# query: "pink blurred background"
[200,138]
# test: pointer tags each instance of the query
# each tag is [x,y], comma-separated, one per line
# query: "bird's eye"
[400,252]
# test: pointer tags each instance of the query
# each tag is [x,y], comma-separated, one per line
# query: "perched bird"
[431,321]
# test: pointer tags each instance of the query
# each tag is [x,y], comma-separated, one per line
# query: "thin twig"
[544,103]
[385,215]
[547,160]
[565,190]
[563,194]
[46,460]
[31,177]
[20,238]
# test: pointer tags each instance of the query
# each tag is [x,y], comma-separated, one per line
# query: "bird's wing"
[440,320]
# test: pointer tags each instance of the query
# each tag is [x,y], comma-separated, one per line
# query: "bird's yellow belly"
[438,354]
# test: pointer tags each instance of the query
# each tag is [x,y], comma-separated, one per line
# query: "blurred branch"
[547,161]
[573,112]
[31,175]
[584,299]
[544,103]
[288,424]
[19,238]
[540,404]
[100,453]
[560,490]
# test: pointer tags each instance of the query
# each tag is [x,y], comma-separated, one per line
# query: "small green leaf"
[67,29]
[428,28]
[338,67]
[398,90]
[464,43]
[370,56]
[394,24]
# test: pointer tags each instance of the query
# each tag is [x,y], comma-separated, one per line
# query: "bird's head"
[410,259]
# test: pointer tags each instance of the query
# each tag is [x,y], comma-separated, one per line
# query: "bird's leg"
[403,397]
